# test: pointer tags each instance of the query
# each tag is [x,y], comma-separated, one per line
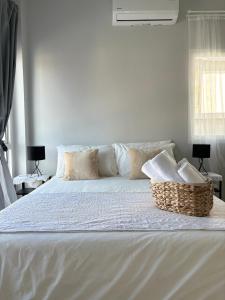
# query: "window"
[209,96]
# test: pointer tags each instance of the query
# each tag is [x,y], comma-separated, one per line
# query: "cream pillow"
[81,165]
[137,159]
[122,157]
[106,158]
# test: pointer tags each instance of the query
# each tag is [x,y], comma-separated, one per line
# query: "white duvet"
[70,240]
[105,211]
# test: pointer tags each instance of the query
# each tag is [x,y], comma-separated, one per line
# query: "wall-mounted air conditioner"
[145,12]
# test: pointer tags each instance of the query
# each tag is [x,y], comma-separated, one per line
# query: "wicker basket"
[189,199]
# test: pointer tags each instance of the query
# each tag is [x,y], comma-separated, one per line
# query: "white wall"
[90,82]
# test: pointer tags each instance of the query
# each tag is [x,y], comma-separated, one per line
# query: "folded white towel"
[166,167]
[151,172]
[190,174]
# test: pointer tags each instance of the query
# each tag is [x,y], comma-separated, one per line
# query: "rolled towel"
[166,167]
[181,162]
[151,172]
[190,174]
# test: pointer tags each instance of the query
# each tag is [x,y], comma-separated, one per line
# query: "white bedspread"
[60,212]
[170,259]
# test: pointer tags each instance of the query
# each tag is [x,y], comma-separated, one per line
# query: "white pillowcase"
[122,156]
[106,157]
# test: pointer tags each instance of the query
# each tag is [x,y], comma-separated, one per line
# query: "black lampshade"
[201,151]
[36,153]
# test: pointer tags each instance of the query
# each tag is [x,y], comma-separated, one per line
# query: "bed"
[105,239]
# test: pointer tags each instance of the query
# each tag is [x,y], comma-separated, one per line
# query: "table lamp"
[201,151]
[36,153]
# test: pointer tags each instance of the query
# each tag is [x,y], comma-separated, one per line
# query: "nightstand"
[217,179]
[33,181]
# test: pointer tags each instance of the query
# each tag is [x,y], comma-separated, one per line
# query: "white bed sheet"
[153,265]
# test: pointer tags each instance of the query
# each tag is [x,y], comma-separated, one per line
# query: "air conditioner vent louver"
[145,20]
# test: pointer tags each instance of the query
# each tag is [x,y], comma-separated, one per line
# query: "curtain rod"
[206,11]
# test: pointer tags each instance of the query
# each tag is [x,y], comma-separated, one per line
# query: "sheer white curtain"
[207,84]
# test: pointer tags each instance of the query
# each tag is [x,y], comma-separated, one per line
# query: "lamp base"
[36,169]
[201,166]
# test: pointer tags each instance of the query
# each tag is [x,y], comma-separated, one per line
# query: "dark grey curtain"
[8,39]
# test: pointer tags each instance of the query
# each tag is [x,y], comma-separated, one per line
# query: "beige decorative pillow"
[137,159]
[81,165]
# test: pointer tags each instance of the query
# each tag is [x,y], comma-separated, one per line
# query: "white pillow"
[106,157]
[122,156]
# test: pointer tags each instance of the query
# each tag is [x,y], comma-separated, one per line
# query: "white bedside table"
[217,179]
[33,181]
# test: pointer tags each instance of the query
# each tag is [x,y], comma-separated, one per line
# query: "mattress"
[104,239]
